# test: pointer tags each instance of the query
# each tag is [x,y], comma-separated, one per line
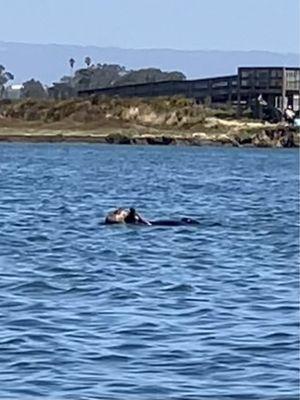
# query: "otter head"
[116,217]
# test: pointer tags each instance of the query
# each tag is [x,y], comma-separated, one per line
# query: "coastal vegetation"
[33,89]
[107,75]
[163,120]
[5,77]
[90,77]
[39,114]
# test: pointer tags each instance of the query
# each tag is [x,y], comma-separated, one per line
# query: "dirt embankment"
[136,121]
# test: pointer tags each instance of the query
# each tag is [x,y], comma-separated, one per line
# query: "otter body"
[181,222]
[123,216]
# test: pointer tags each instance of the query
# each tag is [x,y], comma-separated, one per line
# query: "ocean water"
[89,311]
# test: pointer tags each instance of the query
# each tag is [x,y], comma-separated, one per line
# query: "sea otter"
[123,216]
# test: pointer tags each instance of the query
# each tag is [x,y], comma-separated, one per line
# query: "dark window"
[246,74]
[276,73]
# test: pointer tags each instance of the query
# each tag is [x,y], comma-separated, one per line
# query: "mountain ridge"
[49,62]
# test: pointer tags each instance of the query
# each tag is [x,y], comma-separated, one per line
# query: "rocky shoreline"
[283,137]
[160,121]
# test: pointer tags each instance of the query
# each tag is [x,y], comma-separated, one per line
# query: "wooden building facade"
[275,86]
[278,87]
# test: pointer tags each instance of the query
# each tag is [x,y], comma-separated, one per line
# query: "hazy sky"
[180,24]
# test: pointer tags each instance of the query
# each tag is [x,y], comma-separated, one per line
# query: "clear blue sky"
[179,24]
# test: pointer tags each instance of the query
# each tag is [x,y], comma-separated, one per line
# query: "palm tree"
[88,61]
[72,62]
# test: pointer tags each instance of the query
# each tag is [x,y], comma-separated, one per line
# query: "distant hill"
[49,62]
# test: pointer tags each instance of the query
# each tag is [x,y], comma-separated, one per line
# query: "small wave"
[278,336]
[118,293]
[36,287]
[110,358]
[182,287]
[130,346]
[12,342]
[24,322]
[37,238]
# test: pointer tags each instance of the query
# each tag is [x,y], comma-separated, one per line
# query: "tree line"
[106,75]
[90,77]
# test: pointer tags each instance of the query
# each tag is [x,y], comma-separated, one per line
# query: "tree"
[147,75]
[98,77]
[5,76]
[107,75]
[88,61]
[33,89]
[72,63]
[66,79]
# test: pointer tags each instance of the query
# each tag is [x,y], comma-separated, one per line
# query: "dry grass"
[162,112]
[156,120]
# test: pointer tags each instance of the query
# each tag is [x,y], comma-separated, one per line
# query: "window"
[246,74]
[220,84]
[293,80]
[275,83]
[261,79]
[276,73]
[245,83]
[200,85]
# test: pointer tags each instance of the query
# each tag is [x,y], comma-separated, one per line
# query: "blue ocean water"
[89,311]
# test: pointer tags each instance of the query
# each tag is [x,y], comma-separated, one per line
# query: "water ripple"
[90,311]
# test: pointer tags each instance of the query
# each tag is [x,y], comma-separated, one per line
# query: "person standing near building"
[289,115]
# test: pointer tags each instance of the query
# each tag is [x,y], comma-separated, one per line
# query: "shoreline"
[280,138]
[157,121]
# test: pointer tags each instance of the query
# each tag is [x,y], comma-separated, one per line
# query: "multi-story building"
[277,87]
